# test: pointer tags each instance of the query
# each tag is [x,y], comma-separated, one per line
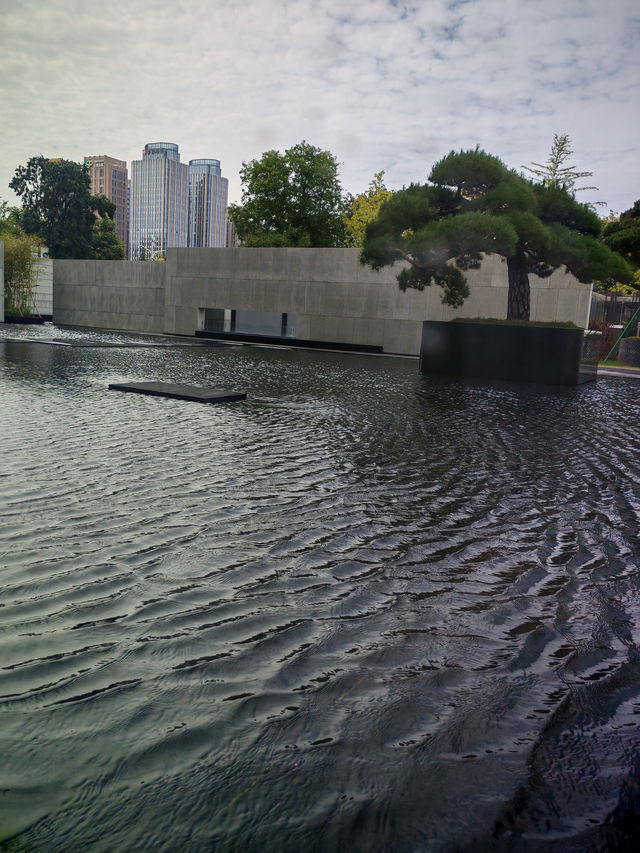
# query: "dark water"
[361,611]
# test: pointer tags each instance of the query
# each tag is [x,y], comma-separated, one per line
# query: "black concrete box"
[514,353]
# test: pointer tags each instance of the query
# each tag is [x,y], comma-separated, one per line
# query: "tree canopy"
[362,208]
[290,199]
[475,205]
[57,205]
[105,243]
[9,220]
[623,235]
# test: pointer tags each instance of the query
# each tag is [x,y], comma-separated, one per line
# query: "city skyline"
[175,204]
[383,85]
[159,201]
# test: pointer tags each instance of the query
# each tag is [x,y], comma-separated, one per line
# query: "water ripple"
[362,609]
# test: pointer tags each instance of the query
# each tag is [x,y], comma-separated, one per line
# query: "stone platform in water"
[179,392]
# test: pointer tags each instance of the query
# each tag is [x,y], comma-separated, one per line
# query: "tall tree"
[556,172]
[475,205]
[57,205]
[290,199]
[362,208]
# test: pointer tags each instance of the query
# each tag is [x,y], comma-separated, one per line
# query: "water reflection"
[362,610]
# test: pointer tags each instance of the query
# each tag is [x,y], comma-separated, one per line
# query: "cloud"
[384,84]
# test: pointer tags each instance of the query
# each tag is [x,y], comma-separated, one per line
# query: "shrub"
[20,274]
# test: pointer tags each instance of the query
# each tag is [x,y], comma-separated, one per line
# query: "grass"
[617,364]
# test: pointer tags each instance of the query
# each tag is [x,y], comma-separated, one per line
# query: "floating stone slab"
[179,392]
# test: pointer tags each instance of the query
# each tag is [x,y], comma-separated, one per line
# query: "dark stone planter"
[543,354]
[629,352]
[25,321]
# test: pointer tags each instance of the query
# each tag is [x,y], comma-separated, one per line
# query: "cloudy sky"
[383,84]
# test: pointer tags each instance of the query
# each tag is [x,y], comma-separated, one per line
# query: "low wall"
[629,352]
[332,297]
[124,295]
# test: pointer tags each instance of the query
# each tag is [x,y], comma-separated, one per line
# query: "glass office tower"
[159,201]
[208,192]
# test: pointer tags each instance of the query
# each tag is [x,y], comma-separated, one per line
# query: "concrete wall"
[109,294]
[336,299]
[1,281]
[333,297]
[43,296]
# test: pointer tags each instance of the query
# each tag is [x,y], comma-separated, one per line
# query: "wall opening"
[268,323]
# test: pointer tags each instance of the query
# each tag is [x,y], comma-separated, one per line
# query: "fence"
[612,309]
[609,315]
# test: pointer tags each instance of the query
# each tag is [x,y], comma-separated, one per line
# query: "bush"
[20,274]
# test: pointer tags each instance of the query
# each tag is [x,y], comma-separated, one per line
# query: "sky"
[385,85]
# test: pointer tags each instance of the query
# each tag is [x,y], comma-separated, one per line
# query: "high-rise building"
[208,192]
[232,237]
[109,177]
[159,201]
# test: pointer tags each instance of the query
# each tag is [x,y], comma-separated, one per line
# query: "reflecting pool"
[362,610]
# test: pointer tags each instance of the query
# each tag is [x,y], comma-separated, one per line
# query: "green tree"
[57,205]
[105,244]
[476,205]
[361,209]
[556,172]
[290,199]
[623,235]
[9,219]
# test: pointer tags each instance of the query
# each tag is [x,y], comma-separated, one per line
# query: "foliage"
[623,234]
[9,218]
[475,205]
[612,286]
[290,199]
[363,208]
[556,172]
[20,272]
[105,244]
[57,205]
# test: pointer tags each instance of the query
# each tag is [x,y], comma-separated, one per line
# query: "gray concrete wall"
[1,281]
[43,296]
[336,299]
[333,297]
[123,295]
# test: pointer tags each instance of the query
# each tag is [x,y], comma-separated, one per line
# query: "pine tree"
[475,205]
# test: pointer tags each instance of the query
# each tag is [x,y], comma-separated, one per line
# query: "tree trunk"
[519,303]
